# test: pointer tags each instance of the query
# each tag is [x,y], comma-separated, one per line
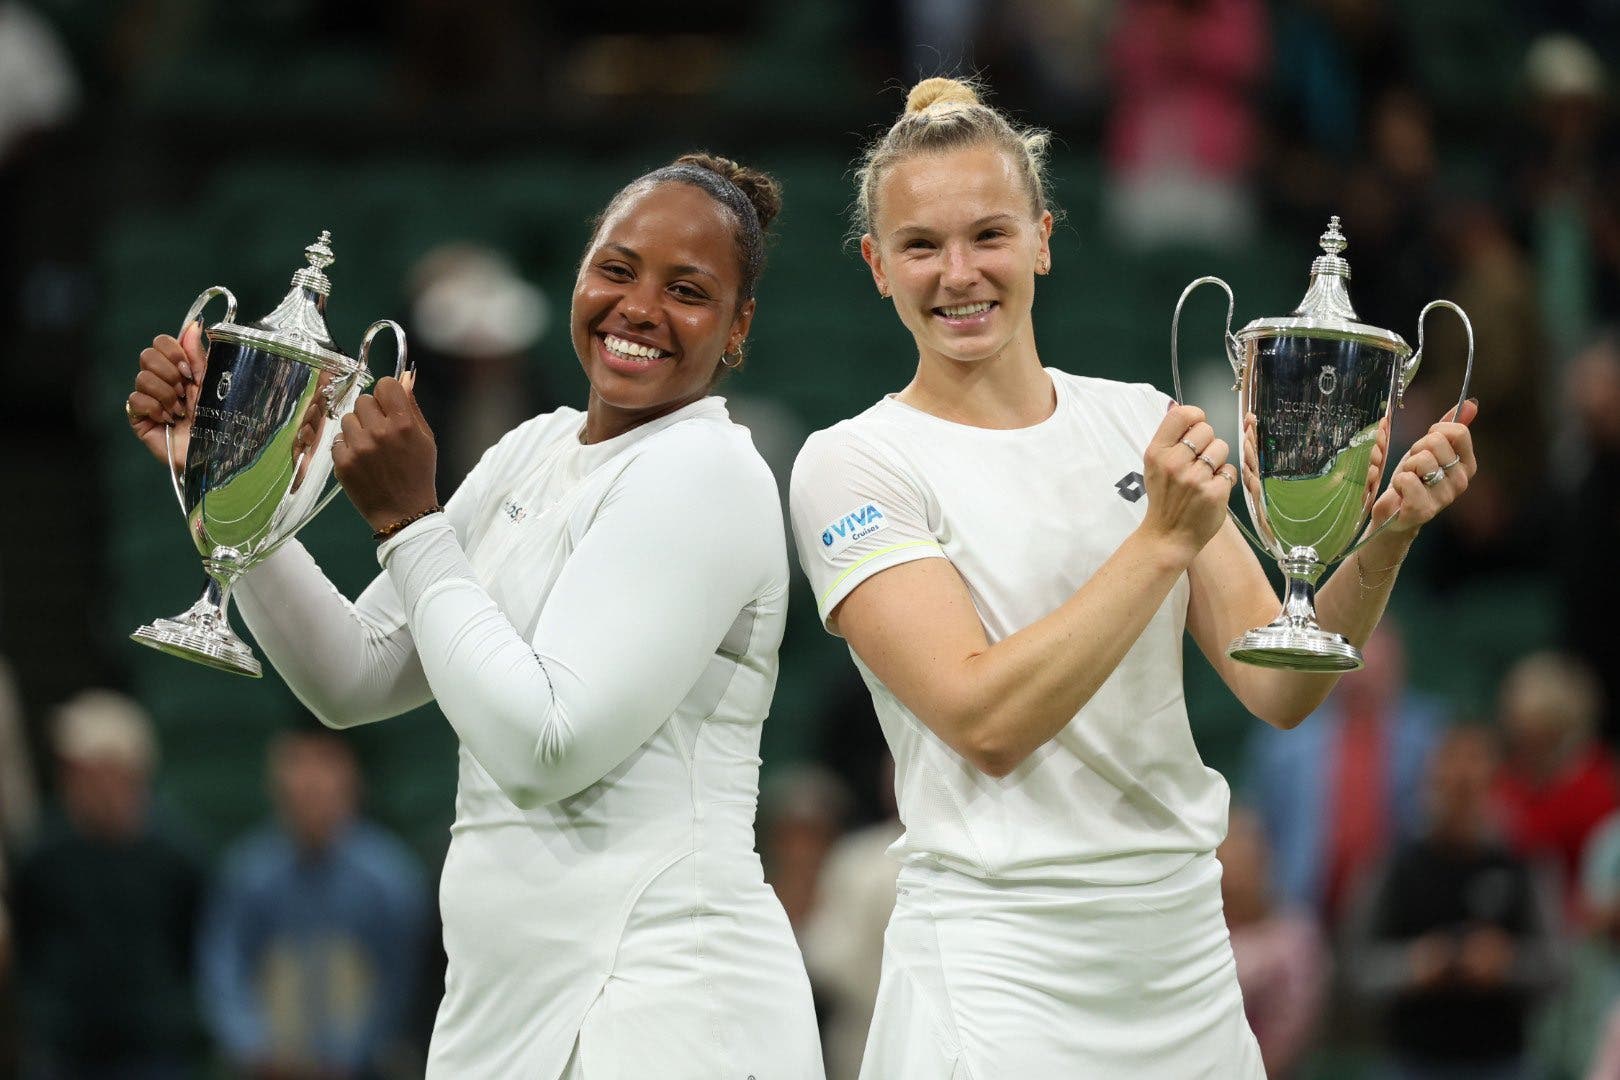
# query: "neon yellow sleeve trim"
[868,558]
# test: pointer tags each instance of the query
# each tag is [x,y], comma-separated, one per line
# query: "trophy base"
[1295,648]
[202,640]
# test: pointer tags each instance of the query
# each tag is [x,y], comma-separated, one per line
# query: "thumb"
[191,340]
[1465,416]
[408,381]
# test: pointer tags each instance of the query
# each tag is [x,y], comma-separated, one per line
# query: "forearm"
[547,718]
[350,663]
[487,680]
[1020,692]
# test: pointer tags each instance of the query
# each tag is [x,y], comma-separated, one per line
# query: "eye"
[916,243]
[689,292]
[992,234]
[618,271]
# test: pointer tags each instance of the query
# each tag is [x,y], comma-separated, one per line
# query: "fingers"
[166,406]
[368,411]
[1176,423]
[141,407]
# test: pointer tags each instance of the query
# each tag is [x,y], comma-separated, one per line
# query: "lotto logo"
[1130,486]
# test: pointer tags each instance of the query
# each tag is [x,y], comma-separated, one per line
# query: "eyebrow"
[683,270]
[987,219]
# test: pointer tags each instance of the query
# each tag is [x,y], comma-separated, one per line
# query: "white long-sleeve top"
[599,623]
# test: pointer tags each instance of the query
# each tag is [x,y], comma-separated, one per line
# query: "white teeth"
[630,350]
[957,311]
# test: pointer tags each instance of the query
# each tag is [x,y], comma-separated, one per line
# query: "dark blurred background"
[1425,877]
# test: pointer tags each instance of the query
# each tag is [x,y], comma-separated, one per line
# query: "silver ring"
[1188,443]
[1432,478]
[1452,464]
[1213,468]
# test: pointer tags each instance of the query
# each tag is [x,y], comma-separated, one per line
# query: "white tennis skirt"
[996,981]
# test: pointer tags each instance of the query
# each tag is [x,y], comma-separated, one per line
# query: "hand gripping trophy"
[1315,393]
[256,471]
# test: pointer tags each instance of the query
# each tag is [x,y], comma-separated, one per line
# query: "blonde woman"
[1013,553]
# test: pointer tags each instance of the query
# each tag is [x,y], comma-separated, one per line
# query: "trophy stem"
[203,634]
[1294,641]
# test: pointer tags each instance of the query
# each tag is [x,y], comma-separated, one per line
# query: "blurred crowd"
[1417,885]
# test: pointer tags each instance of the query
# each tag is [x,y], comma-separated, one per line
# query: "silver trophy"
[1316,389]
[261,448]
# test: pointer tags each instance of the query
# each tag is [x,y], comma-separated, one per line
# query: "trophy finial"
[1333,240]
[1327,296]
[319,255]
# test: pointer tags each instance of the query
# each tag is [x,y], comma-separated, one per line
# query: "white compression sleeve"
[350,663]
[633,618]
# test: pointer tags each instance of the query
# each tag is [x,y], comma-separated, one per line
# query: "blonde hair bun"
[938,91]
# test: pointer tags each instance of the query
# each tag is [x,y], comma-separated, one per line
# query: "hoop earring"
[883,291]
[737,358]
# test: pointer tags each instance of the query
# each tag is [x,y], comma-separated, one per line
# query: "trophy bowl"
[1316,391]
[260,456]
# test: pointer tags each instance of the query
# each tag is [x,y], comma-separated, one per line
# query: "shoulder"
[257,858]
[862,445]
[382,854]
[1111,394]
[702,455]
[521,443]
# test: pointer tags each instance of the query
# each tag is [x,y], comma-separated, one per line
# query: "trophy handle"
[197,306]
[401,365]
[1234,356]
[1408,370]
[1234,350]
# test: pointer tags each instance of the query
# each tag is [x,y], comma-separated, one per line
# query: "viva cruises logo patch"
[856,525]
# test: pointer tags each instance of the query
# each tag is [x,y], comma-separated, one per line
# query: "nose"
[959,273]
[639,304]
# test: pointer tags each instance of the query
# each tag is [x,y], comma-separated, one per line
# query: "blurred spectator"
[1338,792]
[843,938]
[1498,528]
[477,319]
[1333,58]
[1391,201]
[1282,959]
[1579,1036]
[1557,782]
[1457,939]
[1184,133]
[801,813]
[18,812]
[308,957]
[1589,528]
[1568,168]
[38,88]
[105,911]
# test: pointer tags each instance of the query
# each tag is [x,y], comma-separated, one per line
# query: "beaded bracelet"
[389,530]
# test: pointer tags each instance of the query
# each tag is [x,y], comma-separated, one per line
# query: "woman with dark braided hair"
[605,662]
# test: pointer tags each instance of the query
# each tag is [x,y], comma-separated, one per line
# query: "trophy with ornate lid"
[260,455]
[1315,393]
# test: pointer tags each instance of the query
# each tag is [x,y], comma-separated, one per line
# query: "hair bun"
[760,189]
[939,91]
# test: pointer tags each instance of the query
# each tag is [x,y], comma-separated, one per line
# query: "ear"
[739,327]
[874,260]
[1043,255]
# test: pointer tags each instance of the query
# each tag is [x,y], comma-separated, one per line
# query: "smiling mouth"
[964,311]
[632,351]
